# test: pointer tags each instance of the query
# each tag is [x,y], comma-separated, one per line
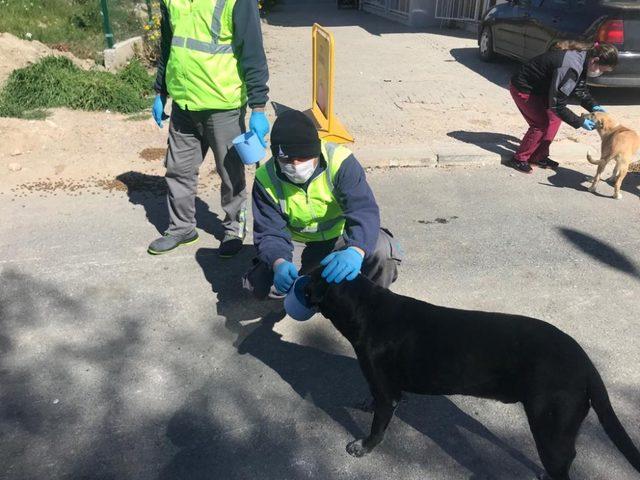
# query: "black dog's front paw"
[357,449]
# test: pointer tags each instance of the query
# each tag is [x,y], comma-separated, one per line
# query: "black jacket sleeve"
[270,234]
[248,48]
[583,93]
[563,85]
[166,35]
[359,206]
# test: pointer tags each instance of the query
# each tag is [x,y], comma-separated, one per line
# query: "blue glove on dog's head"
[343,264]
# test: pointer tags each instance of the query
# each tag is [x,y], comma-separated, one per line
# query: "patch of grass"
[57,82]
[74,25]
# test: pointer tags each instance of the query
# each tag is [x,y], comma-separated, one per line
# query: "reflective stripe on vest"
[208,47]
[200,46]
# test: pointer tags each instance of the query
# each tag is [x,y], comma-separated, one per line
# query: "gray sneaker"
[169,242]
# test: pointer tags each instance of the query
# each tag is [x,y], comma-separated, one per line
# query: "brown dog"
[619,143]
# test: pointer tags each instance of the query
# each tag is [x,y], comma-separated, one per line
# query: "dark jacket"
[270,234]
[247,47]
[558,74]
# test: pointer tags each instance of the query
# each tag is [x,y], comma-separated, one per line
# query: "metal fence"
[398,9]
[463,10]
[399,6]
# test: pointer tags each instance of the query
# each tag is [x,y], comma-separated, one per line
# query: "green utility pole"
[149,12]
[106,24]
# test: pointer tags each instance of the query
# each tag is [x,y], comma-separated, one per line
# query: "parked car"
[523,29]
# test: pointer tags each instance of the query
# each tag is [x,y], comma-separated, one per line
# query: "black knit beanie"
[294,135]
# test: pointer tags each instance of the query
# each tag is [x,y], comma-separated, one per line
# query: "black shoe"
[548,163]
[520,166]
[230,246]
[169,242]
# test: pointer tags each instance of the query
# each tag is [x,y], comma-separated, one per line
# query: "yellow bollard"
[329,127]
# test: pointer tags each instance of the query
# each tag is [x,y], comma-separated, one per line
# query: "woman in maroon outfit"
[542,88]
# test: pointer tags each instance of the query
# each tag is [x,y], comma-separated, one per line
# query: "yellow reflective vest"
[203,72]
[314,214]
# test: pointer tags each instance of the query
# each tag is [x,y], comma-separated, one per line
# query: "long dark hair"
[606,53]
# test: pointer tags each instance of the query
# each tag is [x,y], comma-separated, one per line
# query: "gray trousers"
[191,134]
[381,266]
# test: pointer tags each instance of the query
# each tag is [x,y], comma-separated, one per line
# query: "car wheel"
[486,45]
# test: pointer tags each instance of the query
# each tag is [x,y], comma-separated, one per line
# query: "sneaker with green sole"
[169,242]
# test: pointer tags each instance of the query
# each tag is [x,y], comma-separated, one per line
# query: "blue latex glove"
[598,108]
[588,124]
[340,265]
[284,276]
[158,109]
[259,125]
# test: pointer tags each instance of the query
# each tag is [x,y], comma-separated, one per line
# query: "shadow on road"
[150,191]
[498,71]
[568,178]
[499,143]
[601,251]
[564,177]
[335,384]
[211,448]
[234,303]
[70,406]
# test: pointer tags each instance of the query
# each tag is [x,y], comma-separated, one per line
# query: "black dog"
[403,344]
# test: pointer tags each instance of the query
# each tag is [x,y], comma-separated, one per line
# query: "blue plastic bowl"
[295,303]
[249,148]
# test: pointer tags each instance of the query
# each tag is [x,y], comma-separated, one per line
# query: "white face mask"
[594,73]
[298,173]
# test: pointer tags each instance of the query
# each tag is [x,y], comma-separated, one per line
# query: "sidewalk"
[410,97]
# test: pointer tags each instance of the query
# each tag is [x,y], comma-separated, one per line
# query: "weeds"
[57,82]
[74,25]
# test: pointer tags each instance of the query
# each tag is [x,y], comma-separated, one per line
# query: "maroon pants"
[543,126]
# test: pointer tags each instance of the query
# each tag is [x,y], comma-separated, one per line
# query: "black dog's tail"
[609,420]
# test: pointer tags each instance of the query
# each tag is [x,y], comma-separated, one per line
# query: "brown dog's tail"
[594,162]
[609,420]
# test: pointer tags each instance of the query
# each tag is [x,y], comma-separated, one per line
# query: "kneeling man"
[313,196]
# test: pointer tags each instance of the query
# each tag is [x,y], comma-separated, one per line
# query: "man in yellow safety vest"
[212,66]
[313,197]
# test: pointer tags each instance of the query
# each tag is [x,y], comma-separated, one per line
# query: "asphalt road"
[118,365]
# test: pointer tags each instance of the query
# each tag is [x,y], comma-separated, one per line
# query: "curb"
[454,155]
